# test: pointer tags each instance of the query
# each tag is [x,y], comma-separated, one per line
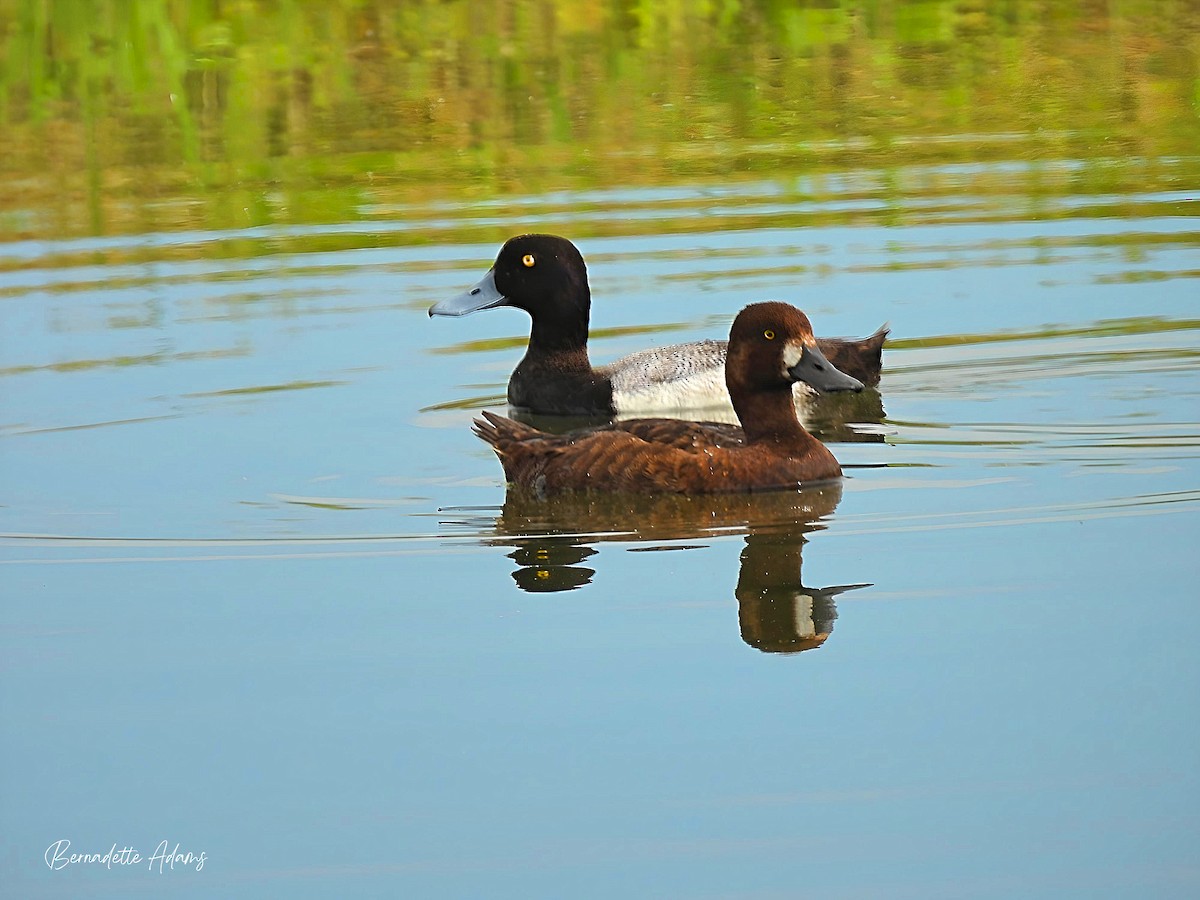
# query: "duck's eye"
[769,334]
[528,260]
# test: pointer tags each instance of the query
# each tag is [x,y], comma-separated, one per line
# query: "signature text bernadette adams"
[58,856]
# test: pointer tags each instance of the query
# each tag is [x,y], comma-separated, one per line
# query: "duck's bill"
[818,372]
[483,296]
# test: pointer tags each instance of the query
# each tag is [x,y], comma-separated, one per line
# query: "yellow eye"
[528,260]
[769,334]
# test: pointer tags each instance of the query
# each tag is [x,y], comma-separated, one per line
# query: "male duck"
[545,275]
[771,346]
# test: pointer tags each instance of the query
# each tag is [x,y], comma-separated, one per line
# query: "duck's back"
[683,434]
[647,456]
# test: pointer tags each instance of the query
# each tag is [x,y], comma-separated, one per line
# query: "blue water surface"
[261,602]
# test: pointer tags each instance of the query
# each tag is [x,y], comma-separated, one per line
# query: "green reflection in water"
[488,345]
[1107,328]
[171,116]
[146,359]
[267,388]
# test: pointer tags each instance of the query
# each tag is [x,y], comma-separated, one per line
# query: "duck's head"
[542,274]
[771,345]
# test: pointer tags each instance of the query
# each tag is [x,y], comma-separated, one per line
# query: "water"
[266,598]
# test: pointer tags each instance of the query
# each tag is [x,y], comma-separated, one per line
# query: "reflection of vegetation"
[467,403]
[1103,328]
[268,388]
[1137,277]
[231,115]
[486,345]
[145,359]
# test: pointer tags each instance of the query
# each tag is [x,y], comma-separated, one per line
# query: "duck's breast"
[559,384]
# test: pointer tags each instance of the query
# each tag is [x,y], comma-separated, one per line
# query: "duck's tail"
[502,432]
[861,358]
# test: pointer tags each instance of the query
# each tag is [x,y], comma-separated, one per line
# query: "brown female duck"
[545,275]
[771,346]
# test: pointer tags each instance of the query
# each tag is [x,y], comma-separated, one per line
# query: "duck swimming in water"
[771,346]
[545,275]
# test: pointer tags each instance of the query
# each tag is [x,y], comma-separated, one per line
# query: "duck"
[545,275]
[771,347]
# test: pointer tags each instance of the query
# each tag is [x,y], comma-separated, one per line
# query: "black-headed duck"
[771,346]
[545,275]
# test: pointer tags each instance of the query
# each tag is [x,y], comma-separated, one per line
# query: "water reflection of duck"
[777,613]
[549,564]
[771,346]
[545,275]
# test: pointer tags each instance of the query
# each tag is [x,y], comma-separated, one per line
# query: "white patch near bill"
[792,351]
[802,616]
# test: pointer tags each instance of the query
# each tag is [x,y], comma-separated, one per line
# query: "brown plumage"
[771,345]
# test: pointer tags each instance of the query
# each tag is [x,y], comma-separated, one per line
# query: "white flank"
[682,380]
